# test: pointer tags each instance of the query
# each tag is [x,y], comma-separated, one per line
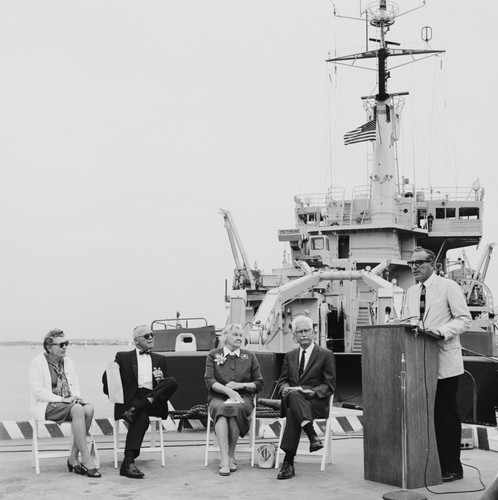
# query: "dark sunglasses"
[61,344]
[148,336]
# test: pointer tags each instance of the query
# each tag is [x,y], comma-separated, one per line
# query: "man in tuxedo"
[440,305]
[147,387]
[307,382]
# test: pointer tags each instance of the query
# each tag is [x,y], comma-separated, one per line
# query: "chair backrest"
[114,384]
[185,342]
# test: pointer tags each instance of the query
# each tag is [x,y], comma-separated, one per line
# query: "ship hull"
[477,395]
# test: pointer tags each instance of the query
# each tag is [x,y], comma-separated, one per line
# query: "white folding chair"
[154,421]
[325,453]
[66,431]
[241,447]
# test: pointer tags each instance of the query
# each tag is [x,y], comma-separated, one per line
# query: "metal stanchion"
[403,494]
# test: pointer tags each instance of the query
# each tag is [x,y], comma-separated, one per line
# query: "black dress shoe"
[315,444]
[131,470]
[451,476]
[286,472]
[129,415]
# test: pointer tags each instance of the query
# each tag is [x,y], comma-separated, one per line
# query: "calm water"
[90,363]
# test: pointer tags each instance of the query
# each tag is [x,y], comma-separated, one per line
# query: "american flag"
[364,133]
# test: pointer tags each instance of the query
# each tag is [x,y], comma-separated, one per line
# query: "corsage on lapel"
[219,359]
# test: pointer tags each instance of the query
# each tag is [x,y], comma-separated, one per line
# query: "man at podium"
[440,305]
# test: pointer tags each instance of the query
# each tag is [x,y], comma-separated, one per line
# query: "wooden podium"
[384,374]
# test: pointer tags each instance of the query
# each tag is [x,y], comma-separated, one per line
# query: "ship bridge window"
[446,213]
[320,244]
[468,213]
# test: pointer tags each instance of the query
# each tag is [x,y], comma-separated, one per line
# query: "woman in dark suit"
[232,377]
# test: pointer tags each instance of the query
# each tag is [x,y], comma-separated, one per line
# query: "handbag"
[267,454]
[94,452]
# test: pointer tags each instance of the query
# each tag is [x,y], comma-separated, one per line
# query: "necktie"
[422,301]
[144,352]
[301,364]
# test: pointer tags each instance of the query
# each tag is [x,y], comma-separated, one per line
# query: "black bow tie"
[145,352]
[232,355]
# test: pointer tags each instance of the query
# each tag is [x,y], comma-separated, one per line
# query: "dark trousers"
[159,408]
[297,408]
[447,424]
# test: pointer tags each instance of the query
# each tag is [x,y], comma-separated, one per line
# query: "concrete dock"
[185,476]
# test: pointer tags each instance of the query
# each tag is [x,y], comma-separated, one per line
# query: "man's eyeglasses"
[417,263]
[61,344]
[303,331]
[147,336]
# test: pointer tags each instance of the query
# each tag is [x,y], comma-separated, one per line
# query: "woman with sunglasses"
[55,395]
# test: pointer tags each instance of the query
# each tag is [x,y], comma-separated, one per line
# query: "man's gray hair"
[304,319]
[137,331]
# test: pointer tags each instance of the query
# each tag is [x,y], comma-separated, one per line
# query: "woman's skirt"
[59,412]
[241,411]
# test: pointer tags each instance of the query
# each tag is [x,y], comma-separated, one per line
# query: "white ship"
[348,255]
[347,259]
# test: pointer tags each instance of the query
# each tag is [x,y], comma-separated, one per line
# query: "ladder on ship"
[362,320]
[346,213]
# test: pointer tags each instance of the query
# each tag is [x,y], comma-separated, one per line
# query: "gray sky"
[126,125]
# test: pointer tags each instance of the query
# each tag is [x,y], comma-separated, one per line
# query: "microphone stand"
[403,494]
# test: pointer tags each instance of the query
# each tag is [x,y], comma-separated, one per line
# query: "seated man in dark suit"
[307,382]
[147,387]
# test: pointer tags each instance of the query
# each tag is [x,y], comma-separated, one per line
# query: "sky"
[125,126]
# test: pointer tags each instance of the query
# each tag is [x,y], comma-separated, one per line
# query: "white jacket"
[445,311]
[41,385]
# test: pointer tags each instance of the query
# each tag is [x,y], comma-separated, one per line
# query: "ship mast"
[383,178]
[385,110]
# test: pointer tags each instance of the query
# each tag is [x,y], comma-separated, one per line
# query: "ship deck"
[185,475]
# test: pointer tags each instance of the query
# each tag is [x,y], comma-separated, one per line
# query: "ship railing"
[361,193]
[474,193]
[337,194]
[320,200]
[333,194]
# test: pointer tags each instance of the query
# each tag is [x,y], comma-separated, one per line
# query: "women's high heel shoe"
[76,468]
[91,472]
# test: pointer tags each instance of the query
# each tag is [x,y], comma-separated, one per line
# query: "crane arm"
[266,319]
[482,267]
[237,247]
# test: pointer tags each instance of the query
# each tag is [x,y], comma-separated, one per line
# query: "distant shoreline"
[74,342]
